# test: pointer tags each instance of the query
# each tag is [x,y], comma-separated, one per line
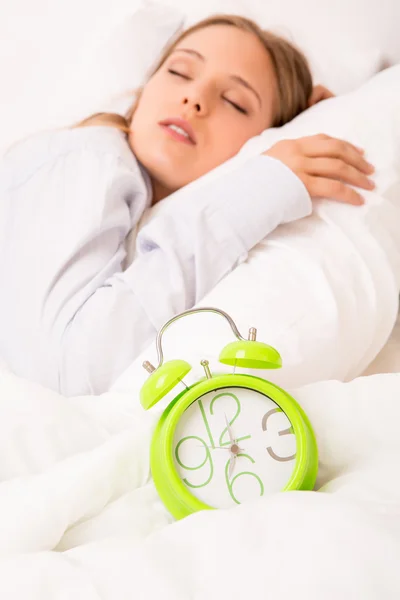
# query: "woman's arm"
[68,307]
[182,253]
[70,318]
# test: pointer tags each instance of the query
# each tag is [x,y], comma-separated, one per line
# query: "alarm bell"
[162,380]
[248,354]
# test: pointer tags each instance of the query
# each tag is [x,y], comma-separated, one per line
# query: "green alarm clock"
[228,438]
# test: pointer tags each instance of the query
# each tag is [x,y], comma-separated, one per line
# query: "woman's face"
[215,91]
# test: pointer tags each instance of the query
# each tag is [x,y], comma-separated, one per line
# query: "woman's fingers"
[322,187]
[327,166]
[310,142]
[335,168]
[322,145]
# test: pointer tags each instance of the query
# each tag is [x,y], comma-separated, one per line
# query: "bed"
[80,516]
[79,513]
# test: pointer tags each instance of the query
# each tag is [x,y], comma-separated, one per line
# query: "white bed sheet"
[80,518]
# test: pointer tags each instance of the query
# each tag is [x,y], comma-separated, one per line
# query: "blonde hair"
[290,65]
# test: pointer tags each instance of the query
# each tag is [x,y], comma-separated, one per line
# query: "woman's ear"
[319,93]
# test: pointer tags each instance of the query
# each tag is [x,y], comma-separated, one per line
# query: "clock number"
[225,431]
[203,414]
[207,459]
[288,431]
[230,483]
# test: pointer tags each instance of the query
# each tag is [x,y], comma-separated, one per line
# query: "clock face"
[234,445]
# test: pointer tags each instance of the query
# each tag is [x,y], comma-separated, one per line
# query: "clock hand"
[235,453]
[230,432]
[234,446]
[231,465]
[214,447]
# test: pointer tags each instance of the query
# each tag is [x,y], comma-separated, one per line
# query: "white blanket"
[79,516]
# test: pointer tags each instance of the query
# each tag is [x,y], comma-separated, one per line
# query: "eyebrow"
[236,78]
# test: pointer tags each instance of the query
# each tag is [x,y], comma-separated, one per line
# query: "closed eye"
[239,108]
[178,74]
[236,106]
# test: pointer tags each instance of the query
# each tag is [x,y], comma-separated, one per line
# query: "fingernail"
[360,149]
[371,168]
[371,183]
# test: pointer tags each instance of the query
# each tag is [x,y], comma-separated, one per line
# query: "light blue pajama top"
[71,318]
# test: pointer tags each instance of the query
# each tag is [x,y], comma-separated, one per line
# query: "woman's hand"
[326,166]
[319,93]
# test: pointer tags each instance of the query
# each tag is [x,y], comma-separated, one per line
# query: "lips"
[185,125]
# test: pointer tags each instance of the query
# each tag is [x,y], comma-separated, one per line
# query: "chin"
[165,173]
[169,171]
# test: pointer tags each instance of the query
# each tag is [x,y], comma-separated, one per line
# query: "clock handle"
[160,355]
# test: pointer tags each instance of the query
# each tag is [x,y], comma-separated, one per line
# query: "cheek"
[145,110]
[150,104]
[228,136]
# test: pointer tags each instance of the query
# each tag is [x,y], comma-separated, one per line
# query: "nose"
[199,98]
[195,105]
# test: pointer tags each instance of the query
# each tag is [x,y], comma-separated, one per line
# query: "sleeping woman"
[71,317]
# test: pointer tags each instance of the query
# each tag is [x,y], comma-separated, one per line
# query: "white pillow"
[118,59]
[323,290]
[343,53]
[92,53]
[89,53]
[345,41]
[119,54]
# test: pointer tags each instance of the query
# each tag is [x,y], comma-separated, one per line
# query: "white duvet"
[80,519]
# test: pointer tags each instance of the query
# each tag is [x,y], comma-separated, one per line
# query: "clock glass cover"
[234,445]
